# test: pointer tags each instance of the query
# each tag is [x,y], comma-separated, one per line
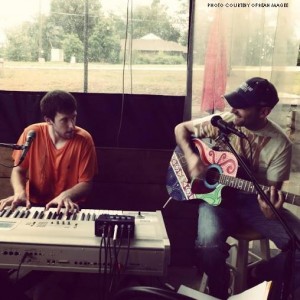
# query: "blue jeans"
[216,223]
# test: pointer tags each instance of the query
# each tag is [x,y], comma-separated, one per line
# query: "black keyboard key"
[88,216]
[60,215]
[41,215]
[15,215]
[27,213]
[9,212]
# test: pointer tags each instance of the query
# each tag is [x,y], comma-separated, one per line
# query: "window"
[101,46]
[236,40]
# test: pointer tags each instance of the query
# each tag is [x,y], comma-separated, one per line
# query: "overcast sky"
[13,12]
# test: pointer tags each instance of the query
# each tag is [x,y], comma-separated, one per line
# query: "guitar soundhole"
[213,174]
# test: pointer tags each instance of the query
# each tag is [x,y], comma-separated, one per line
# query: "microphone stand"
[12,146]
[294,241]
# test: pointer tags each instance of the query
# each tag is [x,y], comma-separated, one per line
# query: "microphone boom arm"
[12,146]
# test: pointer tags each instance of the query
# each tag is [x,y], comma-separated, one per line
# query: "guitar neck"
[248,186]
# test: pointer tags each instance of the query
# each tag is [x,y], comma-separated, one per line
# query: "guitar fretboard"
[240,184]
[248,186]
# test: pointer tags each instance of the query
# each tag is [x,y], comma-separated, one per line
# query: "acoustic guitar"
[220,170]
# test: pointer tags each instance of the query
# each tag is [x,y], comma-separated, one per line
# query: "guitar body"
[206,187]
[220,169]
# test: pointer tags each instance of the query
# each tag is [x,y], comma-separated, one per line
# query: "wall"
[114,120]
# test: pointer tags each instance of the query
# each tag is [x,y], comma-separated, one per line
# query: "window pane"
[233,42]
[104,46]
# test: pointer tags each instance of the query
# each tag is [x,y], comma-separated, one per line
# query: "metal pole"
[189,86]
[86,15]
[40,54]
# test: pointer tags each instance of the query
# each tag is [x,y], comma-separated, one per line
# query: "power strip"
[105,225]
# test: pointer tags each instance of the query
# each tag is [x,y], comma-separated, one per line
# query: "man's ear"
[265,111]
[48,120]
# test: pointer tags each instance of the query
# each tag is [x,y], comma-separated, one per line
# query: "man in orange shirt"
[60,164]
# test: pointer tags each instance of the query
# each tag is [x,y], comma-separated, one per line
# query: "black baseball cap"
[255,91]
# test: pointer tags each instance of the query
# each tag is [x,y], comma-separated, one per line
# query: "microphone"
[225,127]
[30,137]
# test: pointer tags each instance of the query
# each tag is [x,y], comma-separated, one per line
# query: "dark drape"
[114,120]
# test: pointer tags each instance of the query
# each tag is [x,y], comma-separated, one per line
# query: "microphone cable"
[25,255]
[128,246]
[129,11]
[100,266]
[115,264]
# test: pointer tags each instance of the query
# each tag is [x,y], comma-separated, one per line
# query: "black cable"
[120,239]
[109,249]
[118,248]
[119,268]
[131,43]
[116,262]
[123,75]
[100,251]
[6,166]
[14,147]
[100,262]
[105,265]
[108,263]
[26,254]
[128,247]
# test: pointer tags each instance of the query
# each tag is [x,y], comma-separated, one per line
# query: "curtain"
[113,120]
[215,67]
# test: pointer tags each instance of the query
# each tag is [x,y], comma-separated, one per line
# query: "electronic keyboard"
[36,239]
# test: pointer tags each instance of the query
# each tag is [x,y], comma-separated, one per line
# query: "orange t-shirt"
[51,171]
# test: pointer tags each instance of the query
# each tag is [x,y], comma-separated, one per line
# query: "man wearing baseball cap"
[256,91]
[263,145]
